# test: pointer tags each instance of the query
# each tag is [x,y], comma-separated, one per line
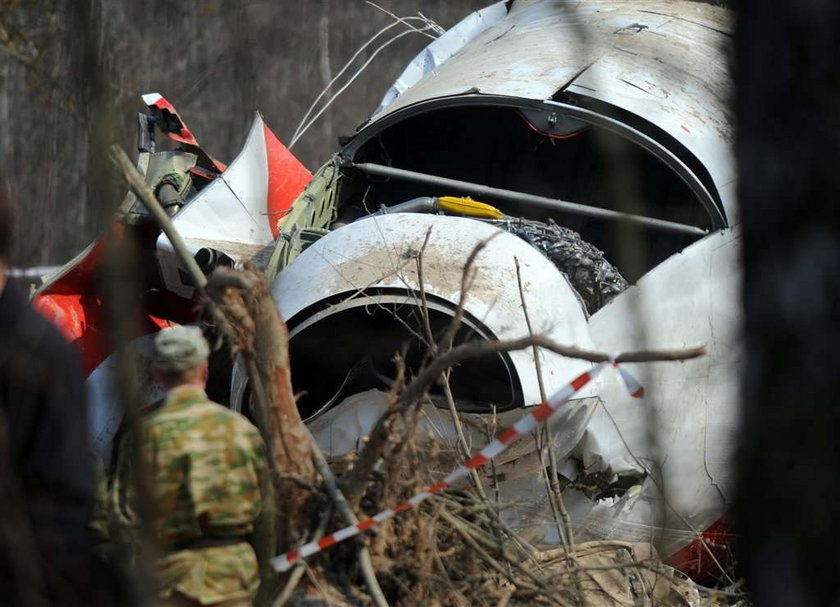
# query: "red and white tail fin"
[237,213]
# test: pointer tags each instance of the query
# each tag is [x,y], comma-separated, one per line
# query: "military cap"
[179,349]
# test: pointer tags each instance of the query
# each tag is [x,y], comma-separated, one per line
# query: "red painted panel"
[286,179]
[695,561]
[78,317]
[81,319]
[72,304]
[184,135]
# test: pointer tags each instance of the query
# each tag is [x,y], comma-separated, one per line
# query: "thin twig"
[292,583]
[433,350]
[506,596]
[350,518]
[300,567]
[552,502]
[467,276]
[535,350]
[543,435]
[500,527]
[427,325]
[473,349]
[317,584]
[561,504]
[551,473]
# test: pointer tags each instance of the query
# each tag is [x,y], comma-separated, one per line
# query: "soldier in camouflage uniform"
[208,474]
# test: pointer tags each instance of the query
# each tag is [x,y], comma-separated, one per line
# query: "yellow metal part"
[469,207]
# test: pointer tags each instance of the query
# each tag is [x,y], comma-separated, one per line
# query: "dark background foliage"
[72,71]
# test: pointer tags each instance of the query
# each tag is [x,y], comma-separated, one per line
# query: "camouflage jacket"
[208,471]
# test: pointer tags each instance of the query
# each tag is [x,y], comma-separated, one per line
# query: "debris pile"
[455,550]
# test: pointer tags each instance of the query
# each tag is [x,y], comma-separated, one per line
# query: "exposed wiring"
[432,25]
[349,82]
[338,75]
[429,25]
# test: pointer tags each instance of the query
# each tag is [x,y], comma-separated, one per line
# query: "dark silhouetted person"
[47,486]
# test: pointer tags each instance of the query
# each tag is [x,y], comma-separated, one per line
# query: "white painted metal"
[378,252]
[105,412]
[151,98]
[690,299]
[228,215]
[441,49]
[665,61]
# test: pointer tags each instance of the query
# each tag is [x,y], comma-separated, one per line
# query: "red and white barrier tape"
[506,438]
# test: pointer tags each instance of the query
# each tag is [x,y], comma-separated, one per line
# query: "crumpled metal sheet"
[517,474]
[343,428]
[595,279]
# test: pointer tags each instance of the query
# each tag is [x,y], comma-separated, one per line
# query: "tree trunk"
[788,110]
[290,440]
[254,322]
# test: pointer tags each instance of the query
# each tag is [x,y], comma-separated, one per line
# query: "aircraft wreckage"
[520,106]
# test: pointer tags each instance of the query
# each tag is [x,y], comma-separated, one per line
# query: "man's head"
[180,357]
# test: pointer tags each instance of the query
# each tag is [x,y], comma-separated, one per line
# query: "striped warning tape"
[506,438]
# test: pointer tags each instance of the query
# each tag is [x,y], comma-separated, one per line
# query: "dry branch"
[144,192]
[241,306]
[350,518]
